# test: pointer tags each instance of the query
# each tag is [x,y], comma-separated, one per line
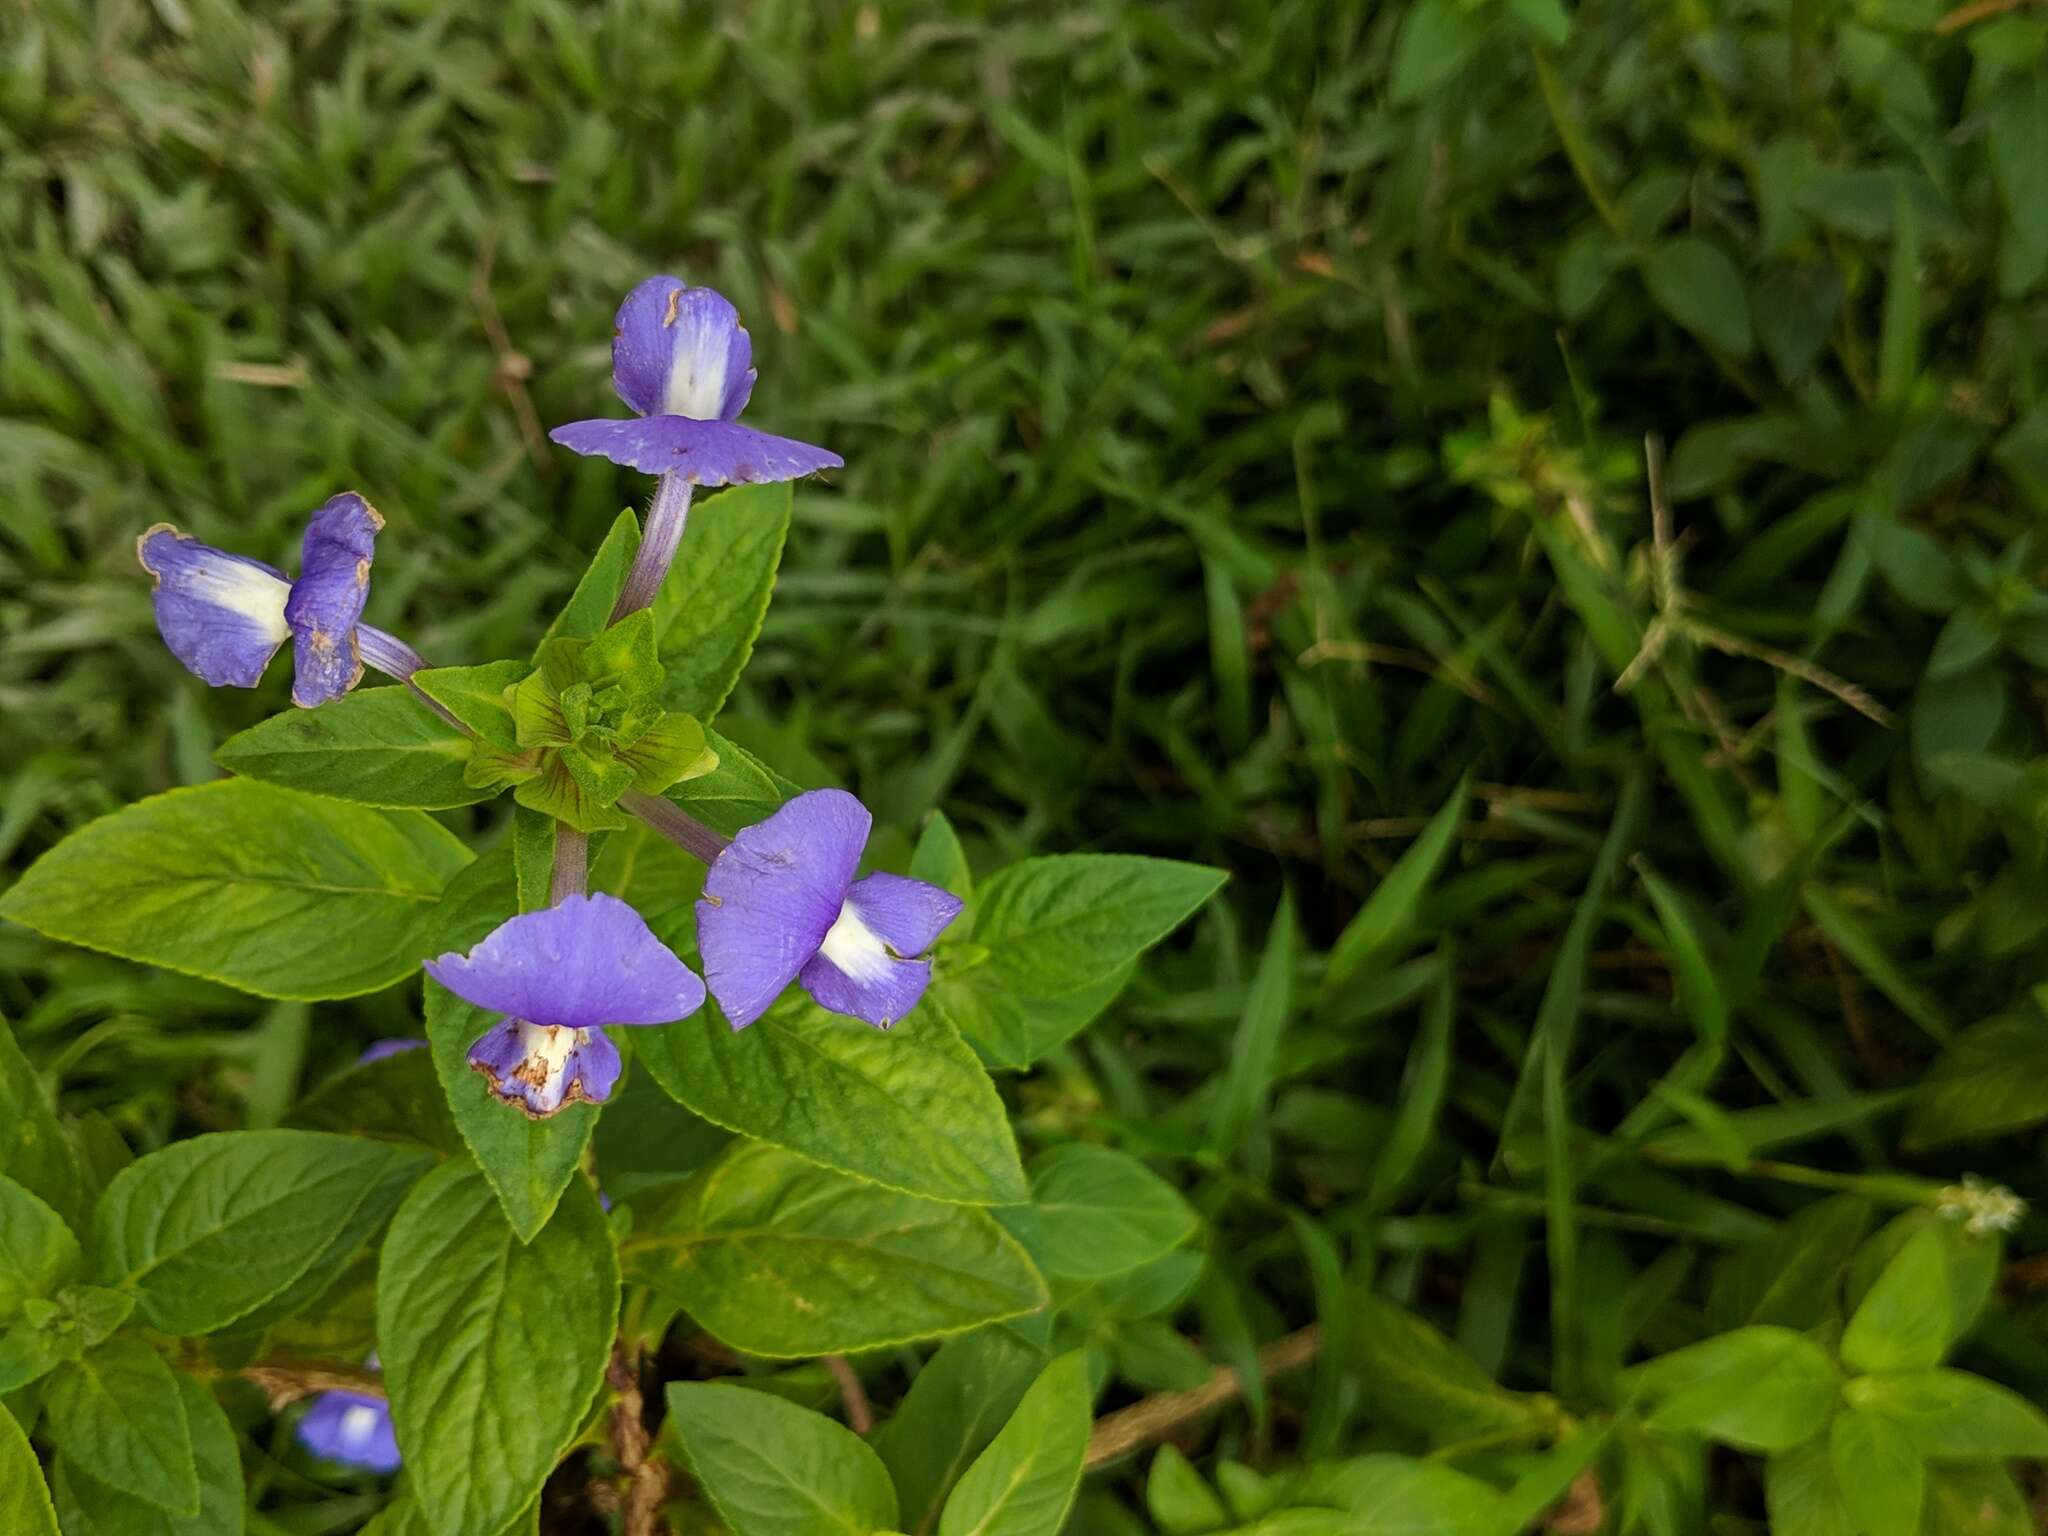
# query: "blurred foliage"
[1258,417]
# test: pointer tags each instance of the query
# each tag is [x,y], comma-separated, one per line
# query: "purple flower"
[681,358]
[559,976]
[353,1429]
[781,905]
[224,616]
[377,1050]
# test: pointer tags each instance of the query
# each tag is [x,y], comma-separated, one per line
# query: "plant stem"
[571,874]
[675,824]
[658,544]
[646,1478]
[1159,1415]
[284,1382]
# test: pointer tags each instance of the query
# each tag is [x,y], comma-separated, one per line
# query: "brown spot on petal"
[675,300]
[362,573]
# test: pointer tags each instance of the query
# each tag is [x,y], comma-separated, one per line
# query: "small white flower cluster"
[1981,1207]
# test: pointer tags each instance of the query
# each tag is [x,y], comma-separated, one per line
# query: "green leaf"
[1788,1277]
[396,1098]
[740,791]
[2018,124]
[1801,1494]
[1414,1376]
[1904,1322]
[1389,913]
[1985,1084]
[277,893]
[589,607]
[1952,1415]
[118,1415]
[37,1251]
[771,1468]
[1698,286]
[477,696]
[1057,932]
[24,1501]
[1758,1388]
[1178,1500]
[1024,1483]
[206,1231]
[89,1507]
[672,749]
[710,609]
[376,746]
[1254,1048]
[780,1257]
[527,1162]
[1882,1480]
[1976,1498]
[493,1349]
[1096,1212]
[1971,1264]
[910,1108]
[34,1151]
[1438,38]
[1399,1494]
[959,1400]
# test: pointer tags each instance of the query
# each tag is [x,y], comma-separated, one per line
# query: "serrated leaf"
[37,1251]
[1024,1483]
[1096,1212]
[780,1257]
[710,608]
[771,1468]
[740,791]
[89,1507]
[527,1162]
[25,1508]
[956,1404]
[589,607]
[207,1231]
[492,1348]
[376,746]
[117,1413]
[477,697]
[908,1107]
[34,1151]
[278,893]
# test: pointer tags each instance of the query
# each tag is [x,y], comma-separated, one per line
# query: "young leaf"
[376,746]
[740,791]
[1178,1500]
[1952,1415]
[277,893]
[1389,913]
[492,1348]
[780,1257]
[37,1251]
[24,1501]
[88,1507]
[910,1108]
[477,697]
[589,607]
[1904,1322]
[711,607]
[117,1414]
[771,1468]
[1024,1483]
[527,1162]
[34,1151]
[206,1231]
[956,1404]
[1400,1493]
[1696,284]
[1882,1479]
[1758,1388]
[1801,1493]
[1096,1212]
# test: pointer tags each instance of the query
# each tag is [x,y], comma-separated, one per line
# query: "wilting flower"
[353,1429]
[224,616]
[559,976]
[681,358]
[781,905]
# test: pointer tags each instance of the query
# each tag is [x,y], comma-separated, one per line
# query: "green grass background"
[1245,412]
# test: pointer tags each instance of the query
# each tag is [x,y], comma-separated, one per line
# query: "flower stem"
[675,824]
[388,654]
[658,544]
[571,876]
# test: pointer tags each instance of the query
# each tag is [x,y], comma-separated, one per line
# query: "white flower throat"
[855,948]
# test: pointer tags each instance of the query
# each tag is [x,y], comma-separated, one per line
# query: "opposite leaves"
[492,1348]
[1024,1483]
[277,893]
[774,1469]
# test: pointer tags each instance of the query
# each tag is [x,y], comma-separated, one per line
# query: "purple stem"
[571,873]
[388,654]
[675,824]
[658,543]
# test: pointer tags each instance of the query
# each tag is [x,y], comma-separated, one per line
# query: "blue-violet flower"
[224,616]
[559,976]
[353,1429]
[681,358]
[781,905]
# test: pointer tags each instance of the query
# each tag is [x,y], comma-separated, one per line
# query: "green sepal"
[600,775]
[489,768]
[669,751]
[627,658]
[537,710]
[477,696]
[555,792]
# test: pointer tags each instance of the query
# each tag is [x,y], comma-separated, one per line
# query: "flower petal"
[772,896]
[856,971]
[908,914]
[377,1050]
[701,452]
[222,615]
[588,961]
[681,351]
[544,1068]
[328,598]
[353,1429]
